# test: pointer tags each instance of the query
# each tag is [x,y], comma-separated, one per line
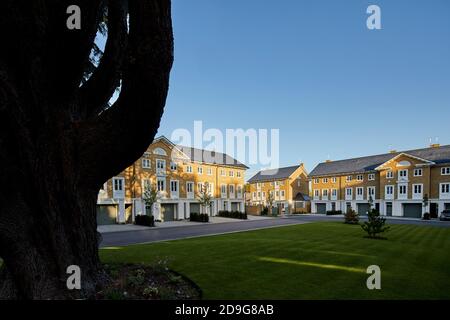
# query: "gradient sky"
[313,70]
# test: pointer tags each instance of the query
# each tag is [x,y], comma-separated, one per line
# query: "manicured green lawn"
[311,261]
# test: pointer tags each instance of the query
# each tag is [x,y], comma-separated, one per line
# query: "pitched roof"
[204,156]
[210,157]
[438,155]
[273,174]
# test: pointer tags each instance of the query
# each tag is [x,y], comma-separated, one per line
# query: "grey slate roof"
[302,197]
[273,174]
[211,157]
[438,155]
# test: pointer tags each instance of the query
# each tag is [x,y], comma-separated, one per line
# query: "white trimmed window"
[360,177]
[160,164]
[359,191]
[403,174]
[348,178]
[231,173]
[371,192]
[282,194]
[231,189]
[316,193]
[348,193]
[264,195]
[418,172]
[209,171]
[389,174]
[254,193]
[161,184]
[325,180]
[200,170]
[445,190]
[222,172]
[402,191]
[334,192]
[173,185]
[316,181]
[389,190]
[146,163]
[173,166]
[445,171]
[238,174]
[189,169]
[189,187]
[299,182]
[371,177]
[417,191]
[200,186]
[325,193]
[333,179]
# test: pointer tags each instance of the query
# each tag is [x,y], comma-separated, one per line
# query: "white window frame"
[316,194]
[160,170]
[239,191]
[334,179]
[189,169]
[231,173]
[359,193]
[282,195]
[232,191]
[360,177]
[417,195]
[417,171]
[401,177]
[333,194]
[371,177]
[209,171]
[348,195]
[387,195]
[174,192]
[118,192]
[316,181]
[324,194]
[238,174]
[445,171]
[389,174]
[146,163]
[223,173]
[348,178]
[223,191]
[444,190]
[402,196]
[325,180]
[158,185]
[371,192]
[199,170]
[173,166]
[190,194]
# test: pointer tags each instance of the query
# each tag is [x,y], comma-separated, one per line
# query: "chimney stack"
[392,151]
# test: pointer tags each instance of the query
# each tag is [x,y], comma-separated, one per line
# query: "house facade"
[395,183]
[178,174]
[287,186]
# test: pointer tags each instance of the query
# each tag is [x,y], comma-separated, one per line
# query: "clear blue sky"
[312,69]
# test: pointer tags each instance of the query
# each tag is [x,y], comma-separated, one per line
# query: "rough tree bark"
[58,143]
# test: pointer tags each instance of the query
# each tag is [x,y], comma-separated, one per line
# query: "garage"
[106,214]
[321,208]
[168,211]
[412,210]
[363,208]
[194,208]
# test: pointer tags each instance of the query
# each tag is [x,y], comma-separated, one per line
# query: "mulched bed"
[144,282]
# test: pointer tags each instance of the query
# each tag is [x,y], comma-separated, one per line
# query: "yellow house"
[287,187]
[395,183]
[178,173]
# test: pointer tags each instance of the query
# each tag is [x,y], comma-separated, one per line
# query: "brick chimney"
[435,145]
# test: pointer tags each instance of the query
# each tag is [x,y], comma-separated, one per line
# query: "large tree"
[60,140]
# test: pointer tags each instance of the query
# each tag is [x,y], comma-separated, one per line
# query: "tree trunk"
[58,143]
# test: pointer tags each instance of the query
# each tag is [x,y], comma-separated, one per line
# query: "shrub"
[426,216]
[145,220]
[351,217]
[233,214]
[199,217]
[265,211]
[375,225]
[333,212]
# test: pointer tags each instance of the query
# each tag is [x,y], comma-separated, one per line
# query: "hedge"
[144,220]
[333,212]
[233,214]
[199,217]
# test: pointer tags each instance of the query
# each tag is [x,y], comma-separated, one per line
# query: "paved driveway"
[189,231]
[200,229]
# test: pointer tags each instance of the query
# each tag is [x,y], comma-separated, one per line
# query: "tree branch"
[97,91]
[121,134]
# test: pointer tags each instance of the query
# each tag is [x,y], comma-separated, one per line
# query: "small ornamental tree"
[351,217]
[270,200]
[204,197]
[375,224]
[150,197]
[426,201]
